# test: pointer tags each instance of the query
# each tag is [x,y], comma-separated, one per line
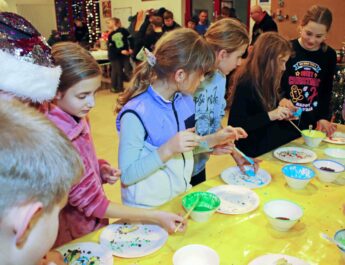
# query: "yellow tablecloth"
[238,239]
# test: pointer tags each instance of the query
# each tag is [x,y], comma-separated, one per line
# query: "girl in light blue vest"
[156,120]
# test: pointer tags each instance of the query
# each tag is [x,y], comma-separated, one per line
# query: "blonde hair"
[77,64]
[227,34]
[262,69]
[178,49]
[37,162]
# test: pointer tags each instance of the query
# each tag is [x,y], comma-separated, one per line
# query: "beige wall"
[296,7]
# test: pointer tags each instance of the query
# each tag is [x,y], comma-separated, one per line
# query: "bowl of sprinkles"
[328,170]
[282,214]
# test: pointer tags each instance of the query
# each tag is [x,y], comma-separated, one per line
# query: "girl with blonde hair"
[229,40]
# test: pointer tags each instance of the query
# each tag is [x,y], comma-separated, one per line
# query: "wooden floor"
[102,119]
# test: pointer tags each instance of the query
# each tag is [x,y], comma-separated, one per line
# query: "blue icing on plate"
[253,179]
[250,172]
[298,172]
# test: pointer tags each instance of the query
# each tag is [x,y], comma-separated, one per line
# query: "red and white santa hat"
[27,70]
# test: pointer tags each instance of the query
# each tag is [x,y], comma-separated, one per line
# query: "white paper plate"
[296,155]
[235,199]
[271,259]
[85,253]
[335,152]
[141,242]
[234,176]
[337,138]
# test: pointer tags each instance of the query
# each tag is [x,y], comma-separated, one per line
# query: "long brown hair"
[321,15]
[177,49]
[77,64]
[262,68]
[318,14]
[227,34]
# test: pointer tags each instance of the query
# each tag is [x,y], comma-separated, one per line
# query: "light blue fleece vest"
[161,119]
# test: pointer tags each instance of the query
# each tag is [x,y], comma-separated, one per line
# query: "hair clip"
[150,57]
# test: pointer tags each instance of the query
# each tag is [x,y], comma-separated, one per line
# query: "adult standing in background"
[263,22]
[203,23]
[81,33]
[168,21]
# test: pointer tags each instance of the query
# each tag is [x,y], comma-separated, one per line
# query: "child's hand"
[110,175]
[223,149]
[169,221]
[280,113]
[287,104]
[241,162]
[183,141]
[229,133]
[327,127]
[52,258]
[124,52]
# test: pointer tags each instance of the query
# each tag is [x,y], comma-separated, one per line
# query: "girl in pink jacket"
[88,207]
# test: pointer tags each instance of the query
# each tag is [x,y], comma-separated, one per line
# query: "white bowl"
[195,255]
[282,214]
[337,154]
[297,176]
[328,170]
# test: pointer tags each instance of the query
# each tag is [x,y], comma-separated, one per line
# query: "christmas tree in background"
[86,10]
[338,97]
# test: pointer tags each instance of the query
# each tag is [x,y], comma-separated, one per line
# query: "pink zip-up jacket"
[87,201]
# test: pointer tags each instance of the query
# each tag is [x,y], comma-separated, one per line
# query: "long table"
[238,239]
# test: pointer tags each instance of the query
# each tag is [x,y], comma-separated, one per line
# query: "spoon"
[327,237]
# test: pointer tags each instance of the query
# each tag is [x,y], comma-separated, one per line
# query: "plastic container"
[339,236]
[195,255]
[313,138]
[328,170]
[297,176]
[282,214]
[207,204]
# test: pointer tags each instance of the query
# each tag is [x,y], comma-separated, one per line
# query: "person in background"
[255,101]
[191,24]
[203,22]
[33,191]
[155,119]
[119,52]
[263,22]
[88,208]
[154,31]
[81,33]
[54,37]
[308,80]
[141,25]
[168,21]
